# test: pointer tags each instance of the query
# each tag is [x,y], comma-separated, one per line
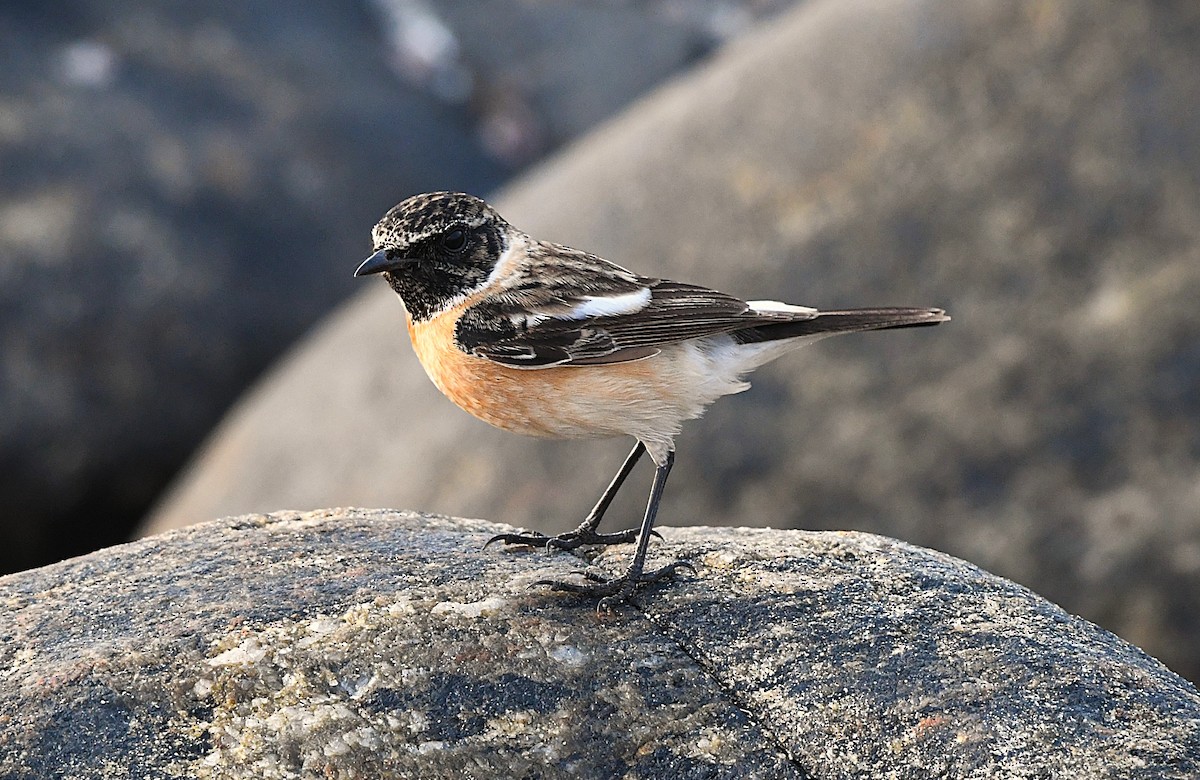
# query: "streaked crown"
[422,217]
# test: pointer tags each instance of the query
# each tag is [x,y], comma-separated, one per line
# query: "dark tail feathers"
[828,323]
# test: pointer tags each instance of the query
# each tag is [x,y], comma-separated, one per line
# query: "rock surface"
[1031,167]
[183,189]
[372,643]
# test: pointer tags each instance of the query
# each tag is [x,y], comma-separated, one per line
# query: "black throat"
[426,293]
[427,286]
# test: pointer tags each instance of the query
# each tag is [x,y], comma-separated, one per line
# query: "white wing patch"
[607,305]
[780,307]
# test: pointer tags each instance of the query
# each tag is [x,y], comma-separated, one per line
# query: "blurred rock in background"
[1032,167]
[184,188]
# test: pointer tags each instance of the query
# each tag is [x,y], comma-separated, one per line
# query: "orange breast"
[513,399]
[646,398]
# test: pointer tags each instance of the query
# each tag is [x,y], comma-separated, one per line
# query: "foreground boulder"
[1028,166]
[371,643]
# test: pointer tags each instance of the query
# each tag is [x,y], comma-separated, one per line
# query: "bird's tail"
[829,323]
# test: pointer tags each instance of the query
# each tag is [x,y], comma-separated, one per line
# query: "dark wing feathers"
[677,312]
[517,331]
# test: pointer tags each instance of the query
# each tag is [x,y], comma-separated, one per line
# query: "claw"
[533,539]
[568,541]
[574,539]
[616,591]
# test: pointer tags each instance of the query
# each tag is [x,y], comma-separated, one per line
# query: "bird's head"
[437,248]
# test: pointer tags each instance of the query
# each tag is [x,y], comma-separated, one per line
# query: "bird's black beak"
[380,262]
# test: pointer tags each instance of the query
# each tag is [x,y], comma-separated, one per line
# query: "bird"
[541,339]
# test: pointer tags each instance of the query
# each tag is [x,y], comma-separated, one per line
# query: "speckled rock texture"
[1033,167]
[380,644]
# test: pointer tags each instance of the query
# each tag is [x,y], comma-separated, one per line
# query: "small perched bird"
[546,340]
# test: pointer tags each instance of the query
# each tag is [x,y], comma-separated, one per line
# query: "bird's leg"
[586,532]
[619,589]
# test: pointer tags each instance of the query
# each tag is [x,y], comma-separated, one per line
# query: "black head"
[435,248]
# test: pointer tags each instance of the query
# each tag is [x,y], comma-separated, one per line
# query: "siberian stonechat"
[546,340]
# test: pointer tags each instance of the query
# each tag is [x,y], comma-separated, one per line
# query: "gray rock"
[372,643]
[1030,167]
[181,188]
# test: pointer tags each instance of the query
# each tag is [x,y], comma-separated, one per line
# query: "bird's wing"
[614,320]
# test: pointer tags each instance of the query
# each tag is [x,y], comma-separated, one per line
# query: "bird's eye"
[454,240]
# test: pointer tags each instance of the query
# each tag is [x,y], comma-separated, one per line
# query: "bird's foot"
[616,591]
[568,541]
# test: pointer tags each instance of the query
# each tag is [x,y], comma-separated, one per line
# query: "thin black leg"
[617,590]
[586,532]
[592,521]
